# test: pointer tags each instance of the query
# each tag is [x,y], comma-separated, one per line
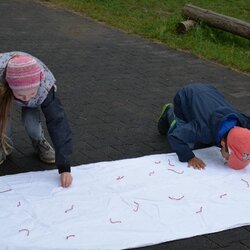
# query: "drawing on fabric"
[151,173]
[223,195]
[71,208]
[177,199]
[170,164]
[119,178]
[199,211]
[25,230]
[175,171]
[137,206]
[70,236]
[7,190]
[114,221]
[245,182]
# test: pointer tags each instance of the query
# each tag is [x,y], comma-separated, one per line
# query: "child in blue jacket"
[201,114]
[27,81]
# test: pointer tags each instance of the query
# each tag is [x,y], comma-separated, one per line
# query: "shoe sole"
[47,161]
[163,130]
[163,110]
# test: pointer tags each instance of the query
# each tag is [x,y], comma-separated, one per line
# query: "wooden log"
[184,26]
[230,24]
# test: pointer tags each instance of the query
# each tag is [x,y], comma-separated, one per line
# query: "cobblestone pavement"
[112,85]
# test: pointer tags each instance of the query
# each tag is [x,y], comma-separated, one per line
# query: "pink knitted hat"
[23,72]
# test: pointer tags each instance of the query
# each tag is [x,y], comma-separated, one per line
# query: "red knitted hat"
[238,142]
[23,72]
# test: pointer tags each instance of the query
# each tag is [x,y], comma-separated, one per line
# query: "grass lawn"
[157,19]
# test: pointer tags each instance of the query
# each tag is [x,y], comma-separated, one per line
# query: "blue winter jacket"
[59,130]
[203,109]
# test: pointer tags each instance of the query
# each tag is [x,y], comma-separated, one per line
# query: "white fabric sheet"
[123,204]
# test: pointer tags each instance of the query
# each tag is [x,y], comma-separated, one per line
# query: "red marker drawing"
[113,222]
[177,199]
[169,163]
[246,182]
[119,178]
[69,236]
[25,230]
[223,195]
[137,206]
[199,210]
[71,208]
[175,171]
[4,191]
[151,173]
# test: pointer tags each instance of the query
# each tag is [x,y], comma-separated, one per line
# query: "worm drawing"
[177,199]
[19,204]
[169,163]
[137,206]
[113,222]
[69,236]
[4,191]
[71,208]
[175,171]
[246,182]
[157,162]
[199,210]
[119,178]
[151,173]
[223,195]
[25,230]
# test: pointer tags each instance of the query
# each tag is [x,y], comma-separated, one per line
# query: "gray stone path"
[112,86]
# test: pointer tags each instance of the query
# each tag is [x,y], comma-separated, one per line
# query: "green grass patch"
[157,19]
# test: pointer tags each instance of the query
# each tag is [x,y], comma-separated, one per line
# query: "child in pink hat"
[201,114]
[30,84]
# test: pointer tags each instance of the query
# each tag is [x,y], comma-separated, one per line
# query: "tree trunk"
[184,26]
[230,24]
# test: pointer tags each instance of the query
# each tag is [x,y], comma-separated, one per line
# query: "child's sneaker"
[166,118]
[44,150]
[4,154]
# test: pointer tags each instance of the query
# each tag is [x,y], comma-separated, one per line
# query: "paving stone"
[227,237]
[235,246]
[246,243]
[197,243]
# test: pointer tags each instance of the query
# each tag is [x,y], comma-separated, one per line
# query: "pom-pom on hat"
[238,142]
[23,72]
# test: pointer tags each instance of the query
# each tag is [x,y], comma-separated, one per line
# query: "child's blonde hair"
[6,100]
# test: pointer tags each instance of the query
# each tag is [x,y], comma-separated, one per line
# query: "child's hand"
[66,179]
[196,163]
